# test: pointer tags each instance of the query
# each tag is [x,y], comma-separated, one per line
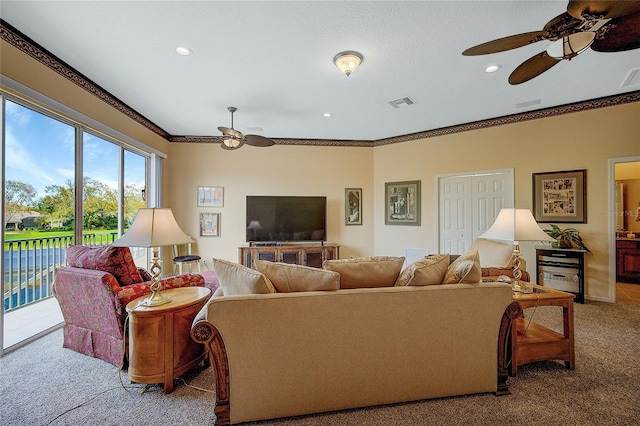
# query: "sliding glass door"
[62,184]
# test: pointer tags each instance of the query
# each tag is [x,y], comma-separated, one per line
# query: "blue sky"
[40,151]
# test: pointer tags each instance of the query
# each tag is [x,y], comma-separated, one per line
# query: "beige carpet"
[44,384]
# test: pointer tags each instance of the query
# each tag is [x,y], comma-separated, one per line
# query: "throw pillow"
[427,271]
[238,279]
[117,261]
[366,272]
[465,269]
[287,278]
[144,274]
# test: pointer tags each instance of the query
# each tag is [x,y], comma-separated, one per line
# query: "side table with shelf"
[531,342]
[160,343]
[561,269]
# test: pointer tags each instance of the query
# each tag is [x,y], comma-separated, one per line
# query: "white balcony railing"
[31,264]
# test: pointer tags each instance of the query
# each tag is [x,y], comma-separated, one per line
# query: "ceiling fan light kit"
[570,46]
[605,26]
[233,139]
[348,61]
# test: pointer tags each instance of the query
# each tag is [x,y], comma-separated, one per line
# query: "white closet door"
[491,192]
[456,219]
[468,205]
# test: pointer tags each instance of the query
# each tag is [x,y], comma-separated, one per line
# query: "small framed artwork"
[353,206]
[560,196]
[209,224]
[210,196]
[402,203]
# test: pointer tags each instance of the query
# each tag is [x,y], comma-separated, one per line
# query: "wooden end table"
[160,343]
[532,342]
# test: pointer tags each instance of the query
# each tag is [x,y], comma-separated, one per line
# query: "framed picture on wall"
[560,197]
[210,196]
[353,206]
[402,203]
[209,224]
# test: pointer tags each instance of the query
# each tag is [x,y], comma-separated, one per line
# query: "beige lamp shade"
[513,225]
[153,227]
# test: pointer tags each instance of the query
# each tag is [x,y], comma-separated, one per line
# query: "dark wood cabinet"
[628,261]
[309,255]
[562,269]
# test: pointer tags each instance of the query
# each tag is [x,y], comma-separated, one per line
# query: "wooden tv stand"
[311,254]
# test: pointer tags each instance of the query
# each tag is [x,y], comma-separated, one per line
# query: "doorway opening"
[624,229]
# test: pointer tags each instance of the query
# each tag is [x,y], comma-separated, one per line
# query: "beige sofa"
[285,354]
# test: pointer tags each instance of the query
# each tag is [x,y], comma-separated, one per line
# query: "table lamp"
[512,226]
[154,228]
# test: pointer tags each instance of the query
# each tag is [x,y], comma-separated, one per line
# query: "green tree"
[57,206]
[133,201]
[19,197]
[100,205]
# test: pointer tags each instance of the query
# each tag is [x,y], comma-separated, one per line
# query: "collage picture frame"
[560,197]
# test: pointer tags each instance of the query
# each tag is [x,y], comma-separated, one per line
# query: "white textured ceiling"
[273,60]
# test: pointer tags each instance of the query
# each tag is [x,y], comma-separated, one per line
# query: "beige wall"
[277,170]
[631,191]
[583,140]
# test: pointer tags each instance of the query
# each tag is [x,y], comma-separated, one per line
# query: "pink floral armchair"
[93,292]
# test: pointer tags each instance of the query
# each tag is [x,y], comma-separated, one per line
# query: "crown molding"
[29,47]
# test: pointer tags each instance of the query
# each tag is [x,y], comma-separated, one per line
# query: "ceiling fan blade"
[608,9]
[257,140]
[532,67]
[562,25]
[624,34]
[231,132]
[506,43]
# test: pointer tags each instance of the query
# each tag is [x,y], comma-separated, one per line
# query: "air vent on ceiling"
[402,102]
[528,103]
[632,79]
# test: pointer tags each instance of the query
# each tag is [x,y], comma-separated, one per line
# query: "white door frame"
[612,221]
[509,172]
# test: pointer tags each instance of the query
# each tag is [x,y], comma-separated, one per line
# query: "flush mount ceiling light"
[492,68]
[348,61]
[183,50]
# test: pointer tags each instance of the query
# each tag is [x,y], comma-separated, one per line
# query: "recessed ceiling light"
[183,50]
[492,68]
[327,115]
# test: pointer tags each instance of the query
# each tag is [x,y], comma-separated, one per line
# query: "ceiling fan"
[605,26]
[233,139]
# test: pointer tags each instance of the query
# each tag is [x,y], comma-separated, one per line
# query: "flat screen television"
[274,219]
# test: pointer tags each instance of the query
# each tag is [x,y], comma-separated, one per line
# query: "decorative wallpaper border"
[29,47]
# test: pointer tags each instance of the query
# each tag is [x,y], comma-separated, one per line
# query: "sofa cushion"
[465,269]
[287,278]
[238,279]
[117,261]
[493,254]
[376,271]
[427,271]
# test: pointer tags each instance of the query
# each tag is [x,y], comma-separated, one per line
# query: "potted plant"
[566,238]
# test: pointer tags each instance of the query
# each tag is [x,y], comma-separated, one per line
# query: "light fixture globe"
[568,47]
[348,61]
